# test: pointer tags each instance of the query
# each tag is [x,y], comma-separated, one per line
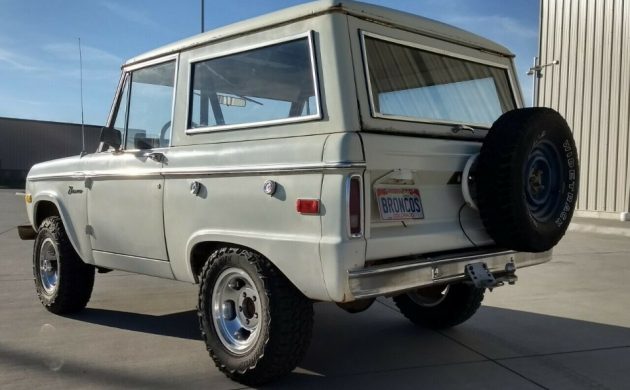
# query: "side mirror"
[110,137]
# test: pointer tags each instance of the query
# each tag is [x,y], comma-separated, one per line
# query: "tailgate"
[403,171]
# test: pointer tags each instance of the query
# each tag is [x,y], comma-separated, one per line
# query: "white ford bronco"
[334,151]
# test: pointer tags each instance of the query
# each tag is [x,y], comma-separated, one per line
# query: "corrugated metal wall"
[591,89]
[24,143]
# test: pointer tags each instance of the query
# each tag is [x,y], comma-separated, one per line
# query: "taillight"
[354,205]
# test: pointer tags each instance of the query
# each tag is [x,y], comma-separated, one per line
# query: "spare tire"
[527,179]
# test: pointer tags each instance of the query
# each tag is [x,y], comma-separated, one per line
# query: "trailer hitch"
[481,277]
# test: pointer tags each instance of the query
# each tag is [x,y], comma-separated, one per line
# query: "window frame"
[375,114]
[211,129]
[127,77]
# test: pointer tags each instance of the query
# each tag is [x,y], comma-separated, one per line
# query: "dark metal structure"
[24,143]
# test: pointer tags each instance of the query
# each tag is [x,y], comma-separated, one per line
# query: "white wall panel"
[591,89]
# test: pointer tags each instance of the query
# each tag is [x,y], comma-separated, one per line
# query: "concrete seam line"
[479,353]
[565,352]
[6,231]
[493,361]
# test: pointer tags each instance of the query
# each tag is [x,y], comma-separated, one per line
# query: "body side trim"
[191,171]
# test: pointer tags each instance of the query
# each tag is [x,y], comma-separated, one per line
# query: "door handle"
[459,128]
[156,156]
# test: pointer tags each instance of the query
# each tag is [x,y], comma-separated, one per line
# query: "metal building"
[590,87]
[27,142]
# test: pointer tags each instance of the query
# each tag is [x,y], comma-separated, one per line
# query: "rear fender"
[297,257]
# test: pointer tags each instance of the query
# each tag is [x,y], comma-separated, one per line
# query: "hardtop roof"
[388,16]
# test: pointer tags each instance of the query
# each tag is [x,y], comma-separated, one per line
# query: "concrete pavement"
[564,325]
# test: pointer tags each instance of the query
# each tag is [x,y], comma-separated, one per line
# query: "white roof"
[384,15]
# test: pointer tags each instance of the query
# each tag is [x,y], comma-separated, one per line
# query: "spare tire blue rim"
[543,181]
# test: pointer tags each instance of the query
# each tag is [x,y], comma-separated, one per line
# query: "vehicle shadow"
[183,324]
[379,347]
[383,349]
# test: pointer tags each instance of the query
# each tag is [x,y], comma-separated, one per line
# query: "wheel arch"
[199,255]
[47,204]
[282,252]
[43,209]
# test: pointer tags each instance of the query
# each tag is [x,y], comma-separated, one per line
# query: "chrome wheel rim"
[236,310]
[49,266]
[429,297]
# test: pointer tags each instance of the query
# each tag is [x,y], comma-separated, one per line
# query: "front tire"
[256,325]
[440,307]
[63,281]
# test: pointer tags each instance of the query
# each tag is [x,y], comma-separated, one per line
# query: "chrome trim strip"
[146,64]
[110,117]
[399,277]
[210,129]
[174,101]
[64,176]
[316,167]
[177,172]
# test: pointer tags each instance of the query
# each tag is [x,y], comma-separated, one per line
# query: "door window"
[146,106]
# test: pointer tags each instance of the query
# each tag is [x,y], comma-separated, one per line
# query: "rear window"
[408,83]
[266,85]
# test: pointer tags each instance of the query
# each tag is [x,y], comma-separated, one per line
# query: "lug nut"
[254,298]
[244,294]
[240,308]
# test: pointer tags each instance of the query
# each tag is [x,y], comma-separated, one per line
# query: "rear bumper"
[413,273]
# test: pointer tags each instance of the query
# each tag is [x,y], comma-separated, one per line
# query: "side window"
[150,107]
[262,85]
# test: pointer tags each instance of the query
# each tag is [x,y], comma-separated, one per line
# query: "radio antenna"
[83,153]
[203,12]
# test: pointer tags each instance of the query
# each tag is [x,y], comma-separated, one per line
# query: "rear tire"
[256,325]
[63,281]
[440,307]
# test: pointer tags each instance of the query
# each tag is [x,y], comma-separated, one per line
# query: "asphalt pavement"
[564,325]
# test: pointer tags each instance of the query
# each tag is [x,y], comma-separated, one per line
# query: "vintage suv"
[333,151]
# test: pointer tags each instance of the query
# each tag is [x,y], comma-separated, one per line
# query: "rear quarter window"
[261,86]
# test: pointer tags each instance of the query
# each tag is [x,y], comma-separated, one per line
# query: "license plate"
[399,203]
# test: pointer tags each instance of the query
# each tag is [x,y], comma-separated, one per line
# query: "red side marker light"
[307,206]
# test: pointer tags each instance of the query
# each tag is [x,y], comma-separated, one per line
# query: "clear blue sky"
[39,64]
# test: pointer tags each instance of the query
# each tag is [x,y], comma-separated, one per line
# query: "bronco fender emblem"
[71,191]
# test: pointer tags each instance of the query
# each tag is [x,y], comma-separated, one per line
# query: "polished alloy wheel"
[49,266]
[236,310]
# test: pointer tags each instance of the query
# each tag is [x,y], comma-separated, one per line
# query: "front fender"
[74,221]
[297,257]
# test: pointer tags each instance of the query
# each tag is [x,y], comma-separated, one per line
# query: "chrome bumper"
[397,277]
